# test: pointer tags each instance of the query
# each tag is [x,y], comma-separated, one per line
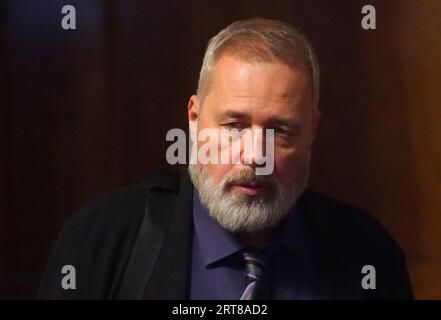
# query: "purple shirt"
[218,269]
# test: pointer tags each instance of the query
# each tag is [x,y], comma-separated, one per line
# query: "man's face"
[255,96]
[261,95]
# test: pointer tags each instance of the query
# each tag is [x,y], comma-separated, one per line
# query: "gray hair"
[260,39]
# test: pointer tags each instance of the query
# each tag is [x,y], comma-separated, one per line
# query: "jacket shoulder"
[351,225]
[349,239]
[98,238]
[126,204]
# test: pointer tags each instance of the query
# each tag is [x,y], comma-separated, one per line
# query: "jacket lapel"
[170,276]
[335,276]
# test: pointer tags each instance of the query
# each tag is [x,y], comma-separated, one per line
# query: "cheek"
[290,166]
[218,171]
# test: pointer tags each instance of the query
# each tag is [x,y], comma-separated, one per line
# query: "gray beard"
[242,213]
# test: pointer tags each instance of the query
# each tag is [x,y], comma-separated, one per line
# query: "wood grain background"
[87,111]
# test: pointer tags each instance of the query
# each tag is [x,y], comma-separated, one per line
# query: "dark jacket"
[135,243]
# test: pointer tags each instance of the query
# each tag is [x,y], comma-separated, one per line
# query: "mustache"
[249,176]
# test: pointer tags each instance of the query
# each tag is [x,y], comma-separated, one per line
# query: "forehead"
[258,83]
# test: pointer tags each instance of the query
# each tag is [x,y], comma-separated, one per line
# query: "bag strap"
[157,215]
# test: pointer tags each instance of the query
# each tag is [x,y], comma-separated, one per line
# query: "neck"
[259,239]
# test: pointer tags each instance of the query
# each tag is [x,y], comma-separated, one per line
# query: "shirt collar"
[217,243]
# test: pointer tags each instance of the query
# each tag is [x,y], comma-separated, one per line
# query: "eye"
[280,130]
[233,125]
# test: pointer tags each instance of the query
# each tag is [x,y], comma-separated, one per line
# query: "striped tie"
[255,263]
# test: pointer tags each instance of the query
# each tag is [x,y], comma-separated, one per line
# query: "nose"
[253,147]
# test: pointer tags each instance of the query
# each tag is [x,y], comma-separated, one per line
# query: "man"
[223,231]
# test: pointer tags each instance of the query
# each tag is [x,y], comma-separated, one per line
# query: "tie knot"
[255,263]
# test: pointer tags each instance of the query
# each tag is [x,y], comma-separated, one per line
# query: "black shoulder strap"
[158,211]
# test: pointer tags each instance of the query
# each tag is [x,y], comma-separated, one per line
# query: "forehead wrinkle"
[250,102]
[268,94]
[275,98]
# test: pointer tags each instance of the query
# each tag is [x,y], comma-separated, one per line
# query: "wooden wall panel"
[86,111]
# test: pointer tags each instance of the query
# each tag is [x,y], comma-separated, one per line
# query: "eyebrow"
[286,122]
[276,121]
[231,114]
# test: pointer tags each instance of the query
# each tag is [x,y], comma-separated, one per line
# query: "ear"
[193,114]
[193,108]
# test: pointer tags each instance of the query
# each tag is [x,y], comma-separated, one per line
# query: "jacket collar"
[169,279]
